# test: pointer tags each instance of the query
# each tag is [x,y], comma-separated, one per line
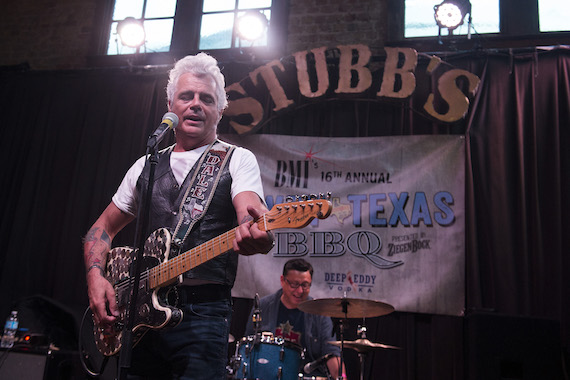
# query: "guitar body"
[150,312]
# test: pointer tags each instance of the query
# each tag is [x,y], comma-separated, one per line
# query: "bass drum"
[269,359]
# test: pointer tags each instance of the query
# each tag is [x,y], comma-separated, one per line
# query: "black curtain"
[68,137]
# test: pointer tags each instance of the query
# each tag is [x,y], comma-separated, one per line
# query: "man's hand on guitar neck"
[249,238]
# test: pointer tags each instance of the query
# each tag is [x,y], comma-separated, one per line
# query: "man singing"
[197,347]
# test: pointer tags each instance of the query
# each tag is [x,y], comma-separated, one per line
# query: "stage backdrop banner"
[396,233]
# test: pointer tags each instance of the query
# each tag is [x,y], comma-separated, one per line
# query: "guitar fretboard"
[294,215]
[165,272]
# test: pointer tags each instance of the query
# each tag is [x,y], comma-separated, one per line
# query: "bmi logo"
[292,174]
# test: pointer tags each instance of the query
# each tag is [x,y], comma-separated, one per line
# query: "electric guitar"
[161,271]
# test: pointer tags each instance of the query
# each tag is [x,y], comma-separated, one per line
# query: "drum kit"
[262,356]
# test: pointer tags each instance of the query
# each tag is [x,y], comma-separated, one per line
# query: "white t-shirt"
[243,169]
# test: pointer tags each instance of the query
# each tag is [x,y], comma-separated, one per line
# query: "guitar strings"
[195,255]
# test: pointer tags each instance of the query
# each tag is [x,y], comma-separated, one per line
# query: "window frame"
[186,37]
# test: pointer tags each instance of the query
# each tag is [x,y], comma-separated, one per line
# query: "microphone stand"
[256,319]
[361,330]
[256,314]
[344,305]
[140,237]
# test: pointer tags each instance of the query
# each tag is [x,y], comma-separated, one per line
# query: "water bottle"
[10,329]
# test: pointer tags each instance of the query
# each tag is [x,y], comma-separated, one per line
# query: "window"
[219,21]
[158,21]
[172,25]
[420,20]
[553,15]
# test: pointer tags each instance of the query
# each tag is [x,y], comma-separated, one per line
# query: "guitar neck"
[164,273]
[288,215]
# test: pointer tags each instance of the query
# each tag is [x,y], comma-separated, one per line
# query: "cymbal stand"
[344,305]
[361,330]
[256,320]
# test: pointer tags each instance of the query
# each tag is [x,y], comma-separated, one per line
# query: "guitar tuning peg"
[313,196]
[304,197]
[329,195]
[289,198]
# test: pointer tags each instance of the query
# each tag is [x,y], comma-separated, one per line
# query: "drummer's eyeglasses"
[305,285]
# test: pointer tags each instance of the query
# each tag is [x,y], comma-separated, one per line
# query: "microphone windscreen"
[171,119]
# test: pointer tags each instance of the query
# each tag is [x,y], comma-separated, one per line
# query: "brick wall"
[315,23]
[56,34]
[47,34]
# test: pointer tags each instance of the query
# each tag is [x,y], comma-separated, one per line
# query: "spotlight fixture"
[251,26]
[451,13]
[131,32]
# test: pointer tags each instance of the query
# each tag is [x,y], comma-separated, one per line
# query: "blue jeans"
[195,349]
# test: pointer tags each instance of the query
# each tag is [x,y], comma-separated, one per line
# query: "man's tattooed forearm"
[97,248]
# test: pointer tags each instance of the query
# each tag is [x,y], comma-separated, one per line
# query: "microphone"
[310,367]
[169,121]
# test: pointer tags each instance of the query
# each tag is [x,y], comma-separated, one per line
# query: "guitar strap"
[201,190]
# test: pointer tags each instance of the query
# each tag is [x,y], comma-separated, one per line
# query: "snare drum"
[268,359]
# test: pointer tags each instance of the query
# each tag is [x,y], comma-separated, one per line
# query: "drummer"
[280,315]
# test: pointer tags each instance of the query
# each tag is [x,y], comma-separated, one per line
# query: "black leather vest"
[219,218]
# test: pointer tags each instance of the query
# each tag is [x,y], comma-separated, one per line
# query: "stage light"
[131,32]
[252,26]
[451,13]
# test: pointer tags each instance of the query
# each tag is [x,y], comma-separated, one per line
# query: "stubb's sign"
[347,71]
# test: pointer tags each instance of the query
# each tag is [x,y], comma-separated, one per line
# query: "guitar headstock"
[297,212]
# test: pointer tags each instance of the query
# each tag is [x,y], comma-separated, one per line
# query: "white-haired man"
[197,347]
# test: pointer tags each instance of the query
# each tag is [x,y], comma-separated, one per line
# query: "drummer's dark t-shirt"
[290,324]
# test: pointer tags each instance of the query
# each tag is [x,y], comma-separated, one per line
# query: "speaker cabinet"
[29,365]
[501,347]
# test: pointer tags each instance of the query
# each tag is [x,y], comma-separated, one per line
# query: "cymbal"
[355,307]
[362,345]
